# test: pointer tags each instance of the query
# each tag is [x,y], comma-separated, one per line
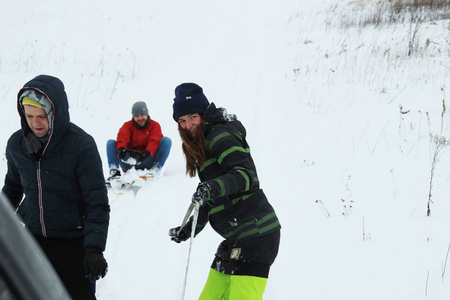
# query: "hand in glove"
[95,265]
[143,156]
[121,153]
[201,195]
[177,235]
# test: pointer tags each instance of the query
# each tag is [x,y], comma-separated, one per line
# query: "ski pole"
[194,206]
[187,215]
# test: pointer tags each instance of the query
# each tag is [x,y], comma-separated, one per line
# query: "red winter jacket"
[147,139]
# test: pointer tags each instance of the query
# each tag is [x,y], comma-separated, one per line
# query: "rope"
[121,193]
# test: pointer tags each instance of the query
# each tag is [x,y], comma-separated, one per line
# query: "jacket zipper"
[41,206]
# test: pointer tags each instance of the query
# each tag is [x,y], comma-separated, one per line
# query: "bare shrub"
[439,144]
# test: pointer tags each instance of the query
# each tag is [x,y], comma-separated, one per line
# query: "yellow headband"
[29,101]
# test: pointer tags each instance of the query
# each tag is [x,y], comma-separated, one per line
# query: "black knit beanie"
[189,99]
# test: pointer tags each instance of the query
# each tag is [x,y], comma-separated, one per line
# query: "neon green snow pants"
[233,287]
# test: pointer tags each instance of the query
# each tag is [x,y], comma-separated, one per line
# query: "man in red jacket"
[140,143]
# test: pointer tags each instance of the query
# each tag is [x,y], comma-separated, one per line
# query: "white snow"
[322,104]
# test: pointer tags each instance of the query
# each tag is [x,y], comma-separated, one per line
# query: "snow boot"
[115,174]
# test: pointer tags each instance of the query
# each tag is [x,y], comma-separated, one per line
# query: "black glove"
[121,153]
[201,195]
[177,235]
[95,265]
[143,156]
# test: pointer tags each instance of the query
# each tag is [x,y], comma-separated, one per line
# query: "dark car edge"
[25,272]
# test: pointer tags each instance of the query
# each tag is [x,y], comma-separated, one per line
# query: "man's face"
[140,119]
[37,120]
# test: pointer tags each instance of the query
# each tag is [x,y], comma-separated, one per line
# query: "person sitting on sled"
[140,143]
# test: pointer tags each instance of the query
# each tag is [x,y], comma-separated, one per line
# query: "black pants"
[251,258]
[67,258]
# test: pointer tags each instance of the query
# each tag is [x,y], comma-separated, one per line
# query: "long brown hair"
[194,149]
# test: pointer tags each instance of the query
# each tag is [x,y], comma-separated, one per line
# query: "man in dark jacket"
[57,166]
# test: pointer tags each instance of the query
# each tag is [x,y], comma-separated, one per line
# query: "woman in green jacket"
[230,197]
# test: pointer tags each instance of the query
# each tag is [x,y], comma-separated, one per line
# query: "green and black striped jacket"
[238,209]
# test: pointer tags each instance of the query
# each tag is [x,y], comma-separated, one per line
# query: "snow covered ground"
[338,118]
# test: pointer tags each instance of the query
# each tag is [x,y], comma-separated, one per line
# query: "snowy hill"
[338,117]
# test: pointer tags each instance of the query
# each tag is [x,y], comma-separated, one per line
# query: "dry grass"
[397,11]
[386,13]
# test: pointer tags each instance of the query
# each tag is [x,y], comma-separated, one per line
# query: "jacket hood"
[214,116]
[57,112]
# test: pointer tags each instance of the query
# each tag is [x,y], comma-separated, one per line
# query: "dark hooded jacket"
[64,187]
[238,209]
